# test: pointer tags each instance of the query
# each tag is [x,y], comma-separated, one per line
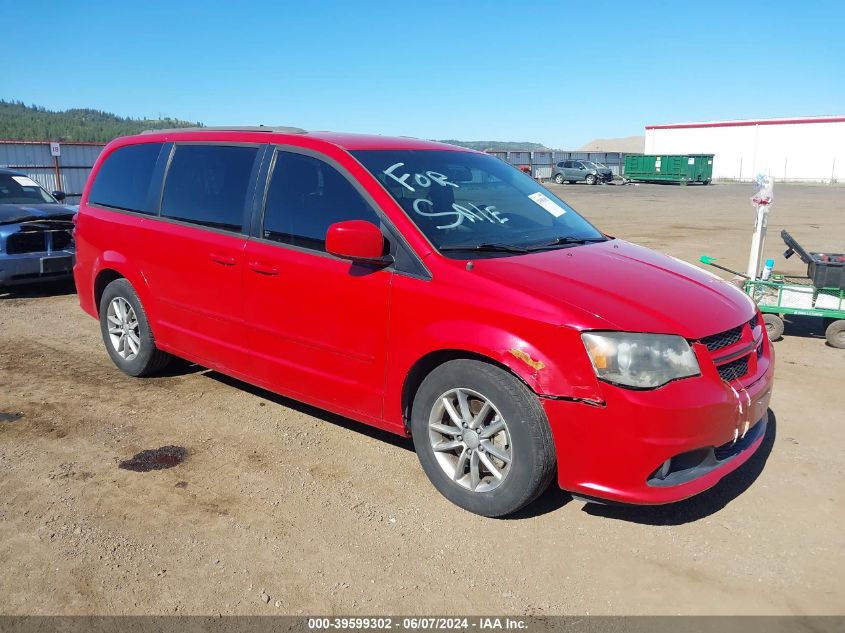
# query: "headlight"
[642,361]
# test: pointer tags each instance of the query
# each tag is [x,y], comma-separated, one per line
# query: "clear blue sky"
[560,73]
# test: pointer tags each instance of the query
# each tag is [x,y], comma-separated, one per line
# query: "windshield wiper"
[485,246]
[566,240]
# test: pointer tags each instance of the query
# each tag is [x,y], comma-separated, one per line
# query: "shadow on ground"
[699,506]
[804,326]
[693,509]
[320,414]
[38,290]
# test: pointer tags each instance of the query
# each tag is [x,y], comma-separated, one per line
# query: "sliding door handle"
[223,260]
[263,268]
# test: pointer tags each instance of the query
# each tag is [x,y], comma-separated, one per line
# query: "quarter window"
[123,180]
[306,196]
[208,184]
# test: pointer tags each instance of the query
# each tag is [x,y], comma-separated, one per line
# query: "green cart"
[779,297]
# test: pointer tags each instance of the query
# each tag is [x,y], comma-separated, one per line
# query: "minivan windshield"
[16,189]
[469,204]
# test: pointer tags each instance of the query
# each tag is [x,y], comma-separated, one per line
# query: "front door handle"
[223,260]
[262,268]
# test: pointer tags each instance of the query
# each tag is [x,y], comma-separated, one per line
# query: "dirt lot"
[324,515]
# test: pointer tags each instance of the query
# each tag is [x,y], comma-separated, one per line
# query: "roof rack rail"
[280,129]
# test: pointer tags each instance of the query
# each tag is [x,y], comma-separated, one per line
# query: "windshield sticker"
[25,182]
[549,205]
[421,179]
[460,213]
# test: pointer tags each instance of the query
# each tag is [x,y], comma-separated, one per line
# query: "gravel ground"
[279,508]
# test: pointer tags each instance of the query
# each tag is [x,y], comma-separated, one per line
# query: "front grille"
[61,240]
[26,242]
[753,322]
[733,370]
[722,339]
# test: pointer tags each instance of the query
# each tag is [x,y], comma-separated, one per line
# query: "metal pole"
[58,173]
[757,241]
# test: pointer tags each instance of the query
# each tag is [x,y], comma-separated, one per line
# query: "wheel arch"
[103,279]
[431,361]
[113,265]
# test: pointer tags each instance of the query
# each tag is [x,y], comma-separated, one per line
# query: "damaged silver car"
[36,232]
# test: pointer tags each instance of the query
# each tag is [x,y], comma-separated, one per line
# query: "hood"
[13,213]
[621,286]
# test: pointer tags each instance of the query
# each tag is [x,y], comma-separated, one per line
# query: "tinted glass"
[124,178]
[16,189]
[207,185]
[467,201]
[307,196]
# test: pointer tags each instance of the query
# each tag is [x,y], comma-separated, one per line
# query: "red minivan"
[432,291]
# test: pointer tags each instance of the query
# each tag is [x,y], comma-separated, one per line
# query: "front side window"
[123,180]
[208,184]
[306,196]
[466,201]
[15,189]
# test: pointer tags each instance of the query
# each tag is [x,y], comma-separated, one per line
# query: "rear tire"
[774,326]
[513,437]
[835,334]
[558,179]
[126,331]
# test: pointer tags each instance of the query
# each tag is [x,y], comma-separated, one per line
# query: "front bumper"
[34,267]
[615,450]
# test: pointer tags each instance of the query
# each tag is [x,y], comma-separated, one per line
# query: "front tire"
[482,437]
[591,179]
[126,331]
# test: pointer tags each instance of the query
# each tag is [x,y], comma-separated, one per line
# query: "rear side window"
[123,180]
[208,184]
[306,196]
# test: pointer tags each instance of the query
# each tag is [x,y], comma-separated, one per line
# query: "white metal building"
[799,149]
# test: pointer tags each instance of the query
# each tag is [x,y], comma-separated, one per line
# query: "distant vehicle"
[577,170]
[36,240]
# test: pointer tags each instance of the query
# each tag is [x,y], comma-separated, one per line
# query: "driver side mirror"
[59,195]
[357,240]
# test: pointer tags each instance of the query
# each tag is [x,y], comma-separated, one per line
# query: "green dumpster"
[678,168]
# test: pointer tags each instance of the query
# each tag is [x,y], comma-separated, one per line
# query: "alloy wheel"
[124,331]
[470,440]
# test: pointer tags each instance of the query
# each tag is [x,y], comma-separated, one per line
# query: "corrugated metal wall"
[809,149]
[34,160]
[541,164]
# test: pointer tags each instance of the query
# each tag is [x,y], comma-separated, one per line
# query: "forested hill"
[21,122]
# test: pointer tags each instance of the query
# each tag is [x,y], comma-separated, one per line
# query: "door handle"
[223,260]
[262,268]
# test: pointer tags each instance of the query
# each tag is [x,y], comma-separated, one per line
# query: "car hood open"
[13,213]
[621,286]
